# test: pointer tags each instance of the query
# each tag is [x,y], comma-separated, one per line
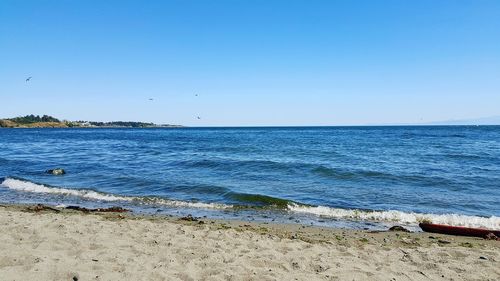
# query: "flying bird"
[198,117]
[28,79]
[196,95]
[150,99]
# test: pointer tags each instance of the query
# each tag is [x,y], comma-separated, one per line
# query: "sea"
[342,177]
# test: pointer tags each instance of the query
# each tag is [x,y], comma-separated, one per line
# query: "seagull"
[196,95]
[198,117]
[150,99]
[28,79]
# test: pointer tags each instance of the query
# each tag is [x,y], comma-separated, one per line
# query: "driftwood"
[489,234]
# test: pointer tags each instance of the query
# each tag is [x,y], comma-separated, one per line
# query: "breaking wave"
[27,186]
[391,216]
[398,216]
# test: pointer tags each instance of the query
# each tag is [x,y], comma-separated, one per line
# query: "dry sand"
[71,245]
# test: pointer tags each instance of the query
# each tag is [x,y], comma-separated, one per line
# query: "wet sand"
[71,245]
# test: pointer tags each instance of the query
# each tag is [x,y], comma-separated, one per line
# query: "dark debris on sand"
[41,207]
[99,210]
[188,218]
[492,236]
[398,228]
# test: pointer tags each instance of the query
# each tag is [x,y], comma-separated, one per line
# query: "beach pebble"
[406,240]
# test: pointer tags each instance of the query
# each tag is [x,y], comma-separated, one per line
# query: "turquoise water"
[319,175]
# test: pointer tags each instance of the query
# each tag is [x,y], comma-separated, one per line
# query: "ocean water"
[358,177]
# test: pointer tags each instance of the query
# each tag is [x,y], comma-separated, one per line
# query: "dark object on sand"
[459,230]
[398,228]
[492,236]
[444,241]
[40,207]
[188,218]
[56,172]
[101,210]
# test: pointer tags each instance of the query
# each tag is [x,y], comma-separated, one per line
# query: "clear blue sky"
[251,62]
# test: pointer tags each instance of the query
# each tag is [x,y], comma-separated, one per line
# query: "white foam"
[387,216]
[400,217]
[185,204]
[27,186]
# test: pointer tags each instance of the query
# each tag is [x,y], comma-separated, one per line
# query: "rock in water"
[56,172]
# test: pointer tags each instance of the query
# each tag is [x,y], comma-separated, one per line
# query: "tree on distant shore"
[28,119]
[32,119]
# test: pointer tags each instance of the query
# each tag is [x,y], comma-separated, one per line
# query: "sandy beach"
[71,245]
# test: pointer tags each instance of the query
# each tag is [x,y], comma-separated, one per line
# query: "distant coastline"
[46,121]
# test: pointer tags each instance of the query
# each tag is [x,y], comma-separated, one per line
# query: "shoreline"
[278,210]
[96,127]
[50,245]
[253,127]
